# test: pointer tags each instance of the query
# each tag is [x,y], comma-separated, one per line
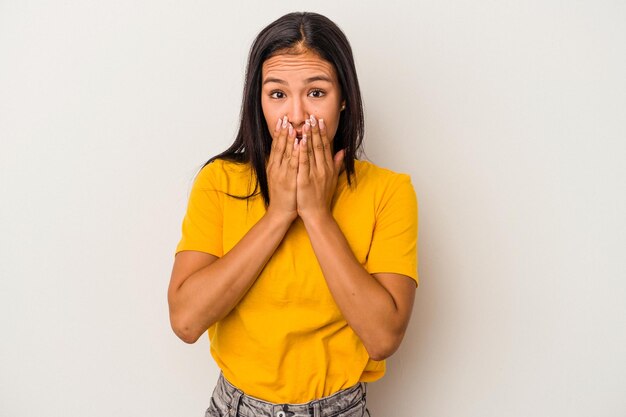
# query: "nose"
[297,113]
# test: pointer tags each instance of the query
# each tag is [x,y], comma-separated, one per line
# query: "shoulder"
[221,172]
[224,167]
[369,175]
[387,190]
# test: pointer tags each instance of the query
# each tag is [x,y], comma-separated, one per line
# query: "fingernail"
[313,121]
[322,125]
[307,122]
[278,123]
[285,121]
[303,140]
[290,129]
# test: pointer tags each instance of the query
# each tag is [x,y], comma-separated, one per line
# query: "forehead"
[284,65]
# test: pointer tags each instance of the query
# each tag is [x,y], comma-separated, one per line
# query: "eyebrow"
[307,81]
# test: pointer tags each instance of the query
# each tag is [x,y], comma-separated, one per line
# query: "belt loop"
[316,409]
[234,405]
[364,387]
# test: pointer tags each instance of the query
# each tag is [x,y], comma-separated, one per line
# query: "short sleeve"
[394,241]
[203,223]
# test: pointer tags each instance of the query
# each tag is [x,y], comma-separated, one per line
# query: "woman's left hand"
[318,171]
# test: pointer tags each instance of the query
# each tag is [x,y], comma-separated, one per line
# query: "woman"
[299,259]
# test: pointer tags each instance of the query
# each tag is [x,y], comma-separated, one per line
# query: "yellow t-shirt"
[286,341]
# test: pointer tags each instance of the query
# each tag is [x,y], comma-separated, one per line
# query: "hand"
[317,170]
[282,168]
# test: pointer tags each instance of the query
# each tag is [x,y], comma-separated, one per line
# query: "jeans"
[228,401]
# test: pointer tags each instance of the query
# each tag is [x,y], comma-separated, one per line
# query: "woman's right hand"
[204,288]
[282,171]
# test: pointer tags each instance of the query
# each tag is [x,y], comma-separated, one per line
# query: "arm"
[378,306]
[204,288]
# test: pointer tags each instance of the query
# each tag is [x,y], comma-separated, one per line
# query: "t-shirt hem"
[409,271]
[210,251]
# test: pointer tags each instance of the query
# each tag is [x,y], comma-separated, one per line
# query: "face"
[299,86]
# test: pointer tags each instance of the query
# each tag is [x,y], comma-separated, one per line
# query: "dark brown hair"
[295,31]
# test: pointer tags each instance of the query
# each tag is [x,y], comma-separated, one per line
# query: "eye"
[317,93]
[277,94]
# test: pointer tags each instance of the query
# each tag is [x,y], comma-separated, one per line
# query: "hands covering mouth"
[302,172]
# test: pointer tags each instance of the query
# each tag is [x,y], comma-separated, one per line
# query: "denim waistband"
[240,404]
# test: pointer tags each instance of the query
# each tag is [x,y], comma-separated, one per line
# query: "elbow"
[187,336]
[185,331]
[380,354]
[185,324]
[384,347]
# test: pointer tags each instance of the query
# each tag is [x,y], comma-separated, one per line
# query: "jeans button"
[280,414]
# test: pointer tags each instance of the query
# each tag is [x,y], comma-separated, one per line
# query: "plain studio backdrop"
[509,116]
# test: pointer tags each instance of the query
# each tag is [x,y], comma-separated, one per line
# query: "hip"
[229,401]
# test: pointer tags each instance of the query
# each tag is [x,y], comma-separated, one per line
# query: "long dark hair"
[296,31]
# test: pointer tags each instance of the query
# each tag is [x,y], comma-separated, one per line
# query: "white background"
[510,117]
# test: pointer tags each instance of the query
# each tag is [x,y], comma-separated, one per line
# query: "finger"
[294,158]
[316,143]
[306,130]
[338,160]
[304,161]
[279,141]
[276,132]
[328,152]
[289,149]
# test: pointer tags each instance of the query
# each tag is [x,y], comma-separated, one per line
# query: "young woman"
[298,258]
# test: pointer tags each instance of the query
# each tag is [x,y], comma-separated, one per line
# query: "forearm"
[210,293]
[364,302]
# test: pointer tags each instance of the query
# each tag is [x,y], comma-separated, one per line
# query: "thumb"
[338,160]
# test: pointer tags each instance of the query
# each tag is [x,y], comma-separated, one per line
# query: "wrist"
[280,218]
[314,219]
